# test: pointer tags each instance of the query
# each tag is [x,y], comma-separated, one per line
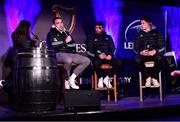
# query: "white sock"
[72,77]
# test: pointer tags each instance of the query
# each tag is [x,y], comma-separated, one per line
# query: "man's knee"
[68,61]
[87,60]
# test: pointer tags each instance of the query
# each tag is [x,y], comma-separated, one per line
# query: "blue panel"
[17,10]
[173,28]
[108,11]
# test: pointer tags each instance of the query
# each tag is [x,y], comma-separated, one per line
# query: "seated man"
[149,46]
[62,42]
[100,48]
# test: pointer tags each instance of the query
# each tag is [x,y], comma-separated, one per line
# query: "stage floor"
[128,108]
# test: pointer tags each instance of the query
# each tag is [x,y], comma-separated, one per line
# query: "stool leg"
[160,86]
[115,88]
[78,80]
[108,92]
[92,81]
[140,86]
[95,80]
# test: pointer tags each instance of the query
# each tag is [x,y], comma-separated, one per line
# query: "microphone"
[39,43]
[64,30]
[36,36]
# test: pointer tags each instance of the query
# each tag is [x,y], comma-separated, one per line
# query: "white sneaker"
[107,82]
[155,82]
[148,82]
[73,85]
[67,86]
[100,83]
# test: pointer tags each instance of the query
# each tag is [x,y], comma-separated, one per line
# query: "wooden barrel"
[36,80]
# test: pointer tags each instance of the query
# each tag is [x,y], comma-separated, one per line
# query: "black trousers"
[153,72]
[104,72]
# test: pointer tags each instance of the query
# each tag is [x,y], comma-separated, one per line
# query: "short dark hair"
[55,18]
[99,23]
[145,18]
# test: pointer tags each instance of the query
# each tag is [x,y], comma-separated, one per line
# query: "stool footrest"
[149,87]
[114,87]
[104,89]
[106,66]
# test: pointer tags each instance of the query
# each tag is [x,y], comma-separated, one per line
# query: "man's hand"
[68,39]
[144,53]
[102,55]
[109,57]
[148,53]
[35,39]
[152,52]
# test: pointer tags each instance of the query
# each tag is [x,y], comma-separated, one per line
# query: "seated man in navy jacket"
[100,49]
[149,45]
[62,42]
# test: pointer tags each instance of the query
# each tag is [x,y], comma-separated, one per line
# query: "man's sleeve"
[72,43]
[90,48]
[160,42]
[137,44]
[56,42]
[111,46]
